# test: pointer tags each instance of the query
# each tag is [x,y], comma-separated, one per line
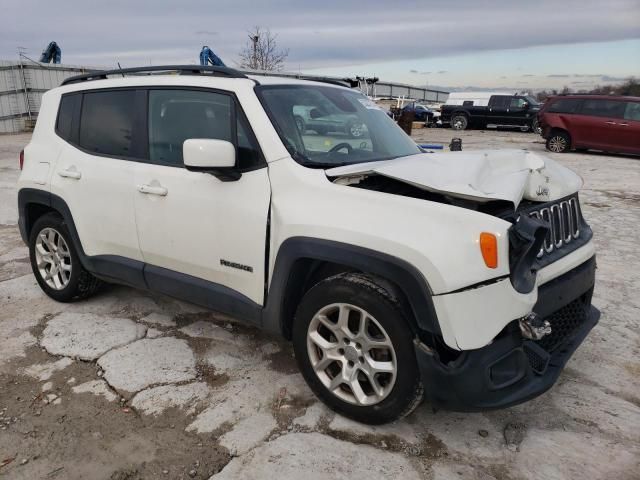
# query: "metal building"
[22,84]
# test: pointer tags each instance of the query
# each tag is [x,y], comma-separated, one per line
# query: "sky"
[453,44]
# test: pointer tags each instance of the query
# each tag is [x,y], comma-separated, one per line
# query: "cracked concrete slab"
[401,430]
[314,456]
[156,400]
[204,329]
[248,433]
[148,362]
[43,371]
[312,415]
[96,387]
[87,336]
[159,319]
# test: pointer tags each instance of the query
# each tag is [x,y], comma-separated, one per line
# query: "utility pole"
[254,39]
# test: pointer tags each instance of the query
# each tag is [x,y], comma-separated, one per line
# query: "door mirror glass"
[202,154]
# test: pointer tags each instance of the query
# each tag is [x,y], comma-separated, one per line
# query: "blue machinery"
[51,54]
[207,57]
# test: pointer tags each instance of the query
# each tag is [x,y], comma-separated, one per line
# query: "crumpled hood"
[480,175]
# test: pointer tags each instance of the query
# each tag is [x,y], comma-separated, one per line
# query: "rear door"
[498,111]
[192,225]
[94,173]
[597,123]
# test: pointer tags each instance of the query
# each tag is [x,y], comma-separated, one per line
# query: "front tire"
[459,122]
[355,349]
[55,261]
[559,142]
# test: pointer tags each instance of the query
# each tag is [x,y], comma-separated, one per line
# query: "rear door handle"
[153,190]
[623,124]
[70,172]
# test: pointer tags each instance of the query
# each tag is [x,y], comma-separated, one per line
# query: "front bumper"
[512,369]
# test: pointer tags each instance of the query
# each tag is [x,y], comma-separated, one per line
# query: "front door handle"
[611,123]
[70,172]
[153,190]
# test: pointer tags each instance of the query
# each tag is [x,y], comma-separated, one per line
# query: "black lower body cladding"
[512,369]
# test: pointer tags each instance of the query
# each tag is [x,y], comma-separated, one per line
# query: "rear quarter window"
[632,111]
[67,122]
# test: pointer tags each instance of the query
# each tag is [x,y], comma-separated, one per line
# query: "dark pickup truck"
[514,111]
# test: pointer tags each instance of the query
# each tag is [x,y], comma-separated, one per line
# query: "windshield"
[326,127]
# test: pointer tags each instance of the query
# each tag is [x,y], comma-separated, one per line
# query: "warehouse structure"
[23,82]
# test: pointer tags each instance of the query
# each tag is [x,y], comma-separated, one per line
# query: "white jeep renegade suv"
[465,277]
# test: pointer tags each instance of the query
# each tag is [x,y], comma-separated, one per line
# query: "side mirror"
[217,157]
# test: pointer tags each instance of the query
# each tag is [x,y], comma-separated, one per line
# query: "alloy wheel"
[351,354]
[53,258]
[557,144]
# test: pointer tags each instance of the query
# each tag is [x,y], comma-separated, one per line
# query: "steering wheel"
[340,146]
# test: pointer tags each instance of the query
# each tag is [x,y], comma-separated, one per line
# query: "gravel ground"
[132,385]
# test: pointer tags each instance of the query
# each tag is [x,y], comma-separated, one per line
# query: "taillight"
[21,159]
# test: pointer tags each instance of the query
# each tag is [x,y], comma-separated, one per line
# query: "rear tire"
[459,122]
[355,349]
[55,261]
[559,142]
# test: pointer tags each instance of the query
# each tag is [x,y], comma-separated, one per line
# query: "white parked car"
[465,277]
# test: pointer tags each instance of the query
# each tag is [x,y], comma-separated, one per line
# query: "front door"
[193,227]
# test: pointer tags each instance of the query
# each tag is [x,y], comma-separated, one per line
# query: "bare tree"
[261,51]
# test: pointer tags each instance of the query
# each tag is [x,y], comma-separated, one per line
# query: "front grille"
[564,221]
[565,322]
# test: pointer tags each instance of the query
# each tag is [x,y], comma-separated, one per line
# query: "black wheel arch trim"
[401,273]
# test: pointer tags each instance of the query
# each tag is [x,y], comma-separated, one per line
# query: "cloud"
[557,75]
[440,72]
[331,33]
[528,75]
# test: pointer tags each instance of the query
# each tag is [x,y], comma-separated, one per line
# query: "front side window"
[178,115]
[632,111]
[106,123]
[326,126]
[603,108]
[517,102]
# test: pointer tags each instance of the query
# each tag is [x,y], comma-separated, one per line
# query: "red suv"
[599,122]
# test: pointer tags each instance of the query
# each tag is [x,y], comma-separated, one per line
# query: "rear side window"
[107,122]
[603,108]
[467,103]
[564,105]
[500,101]
[632,111]
[67,122]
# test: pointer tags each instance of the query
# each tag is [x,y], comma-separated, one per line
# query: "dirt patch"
[85,436]
[283,361]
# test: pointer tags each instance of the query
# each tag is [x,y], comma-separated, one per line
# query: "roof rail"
[181,69]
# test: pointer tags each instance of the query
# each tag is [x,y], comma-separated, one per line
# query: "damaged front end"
[514,367]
